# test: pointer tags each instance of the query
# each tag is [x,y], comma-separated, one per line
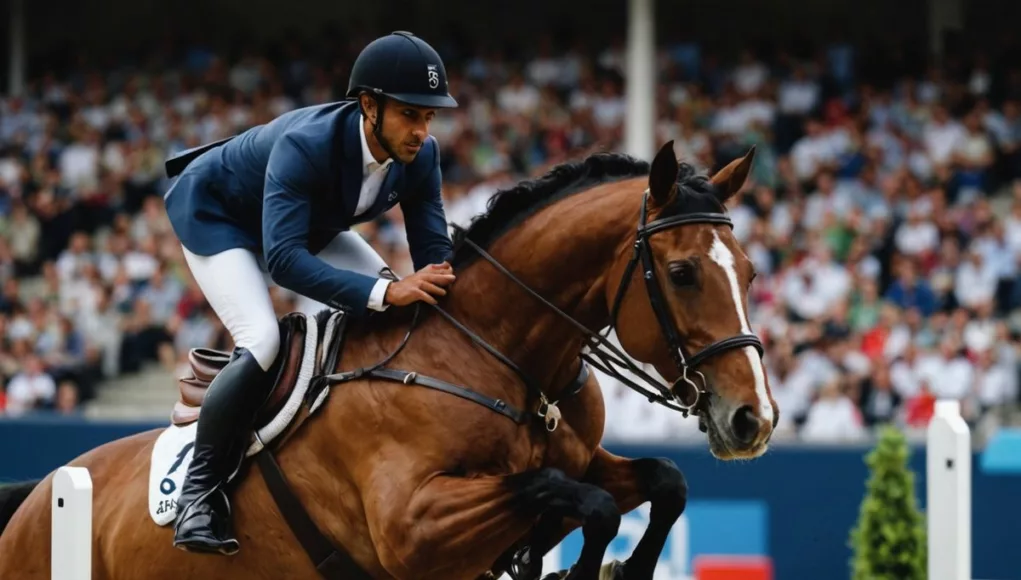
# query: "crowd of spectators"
[883,212]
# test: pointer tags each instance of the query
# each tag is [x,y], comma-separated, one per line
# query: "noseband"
[606,357]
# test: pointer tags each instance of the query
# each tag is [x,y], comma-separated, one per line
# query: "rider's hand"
[422,285]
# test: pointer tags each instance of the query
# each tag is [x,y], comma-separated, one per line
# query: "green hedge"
[889,539]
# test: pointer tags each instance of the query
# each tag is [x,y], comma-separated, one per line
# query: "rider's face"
[405,128]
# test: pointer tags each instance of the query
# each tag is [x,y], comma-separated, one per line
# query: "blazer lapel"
[351,167]
[387,192]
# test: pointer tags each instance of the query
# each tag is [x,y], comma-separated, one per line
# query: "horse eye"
[682,274]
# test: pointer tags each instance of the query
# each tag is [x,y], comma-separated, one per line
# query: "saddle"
[206,363]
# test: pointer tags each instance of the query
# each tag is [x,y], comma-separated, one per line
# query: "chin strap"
[377,127]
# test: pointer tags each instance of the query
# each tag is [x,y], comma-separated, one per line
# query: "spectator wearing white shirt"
[979,333]
[72,261]
[942,136]
[975,281]
[750,75]
[812,152]
[948,373]
[833,416]
[1001,258]
[798,95]
[917,237]
[905,375]
[609,106]
[972,156]
[79,162]
[995,382]
[30,389]
[826,200]
[1012,223]
[517,97]
[812,368]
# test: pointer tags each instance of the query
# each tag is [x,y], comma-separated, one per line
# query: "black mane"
[509,207]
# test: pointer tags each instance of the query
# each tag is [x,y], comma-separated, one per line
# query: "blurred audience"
[883,212]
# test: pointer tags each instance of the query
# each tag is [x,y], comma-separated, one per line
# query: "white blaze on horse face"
[721,254]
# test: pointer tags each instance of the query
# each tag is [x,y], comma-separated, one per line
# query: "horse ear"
[731,178]
[663,174]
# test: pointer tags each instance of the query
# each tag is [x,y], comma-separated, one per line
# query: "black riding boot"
[224,428]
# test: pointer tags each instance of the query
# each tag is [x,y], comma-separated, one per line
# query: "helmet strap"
[377,127]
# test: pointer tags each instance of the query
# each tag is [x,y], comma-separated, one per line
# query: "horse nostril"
[746,424]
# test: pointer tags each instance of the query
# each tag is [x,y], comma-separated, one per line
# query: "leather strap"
[331,563]
[410,378]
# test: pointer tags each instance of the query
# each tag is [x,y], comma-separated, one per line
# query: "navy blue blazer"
[287,188]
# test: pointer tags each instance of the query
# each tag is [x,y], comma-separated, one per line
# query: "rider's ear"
[368,106]
[663,174]
[731,178]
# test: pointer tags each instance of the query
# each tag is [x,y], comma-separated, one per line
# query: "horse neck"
[563,253]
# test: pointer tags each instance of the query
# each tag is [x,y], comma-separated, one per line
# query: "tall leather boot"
[224,429]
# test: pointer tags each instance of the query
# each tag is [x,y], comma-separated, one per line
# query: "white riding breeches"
[237,289]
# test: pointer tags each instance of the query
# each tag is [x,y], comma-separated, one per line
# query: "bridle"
[603,355]
[597,351]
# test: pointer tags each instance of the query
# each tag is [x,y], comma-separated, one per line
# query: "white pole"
[948,501]
[16,72]
[641,80]
[71,532]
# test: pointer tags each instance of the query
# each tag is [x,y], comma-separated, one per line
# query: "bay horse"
[415,483]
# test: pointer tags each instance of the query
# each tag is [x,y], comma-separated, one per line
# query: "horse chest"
[568,452]
[571,446]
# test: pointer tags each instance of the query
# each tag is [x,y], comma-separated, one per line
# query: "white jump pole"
[948,503]
[71,532]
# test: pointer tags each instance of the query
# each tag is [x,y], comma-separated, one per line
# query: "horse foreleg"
[631,482]
[456,527]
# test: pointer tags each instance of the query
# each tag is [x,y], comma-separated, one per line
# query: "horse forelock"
[694,194]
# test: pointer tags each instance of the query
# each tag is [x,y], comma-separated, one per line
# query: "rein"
[602,354]
[608,354]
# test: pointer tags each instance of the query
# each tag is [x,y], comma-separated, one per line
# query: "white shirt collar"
[369,163]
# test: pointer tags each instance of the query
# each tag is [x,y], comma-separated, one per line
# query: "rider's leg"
[235,288]
[347,251]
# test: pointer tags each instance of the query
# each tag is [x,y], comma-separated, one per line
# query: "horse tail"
[11,497]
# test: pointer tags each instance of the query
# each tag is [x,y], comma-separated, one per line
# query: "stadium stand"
[883,213]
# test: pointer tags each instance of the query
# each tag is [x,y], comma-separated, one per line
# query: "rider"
[282,192]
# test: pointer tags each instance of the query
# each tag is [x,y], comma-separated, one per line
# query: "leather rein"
[601,353]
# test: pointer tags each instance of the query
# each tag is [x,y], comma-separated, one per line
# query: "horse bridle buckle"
[550,413]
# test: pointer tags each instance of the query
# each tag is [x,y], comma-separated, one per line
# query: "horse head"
[683,306]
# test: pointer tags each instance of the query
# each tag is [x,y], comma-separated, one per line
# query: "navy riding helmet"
[402,67]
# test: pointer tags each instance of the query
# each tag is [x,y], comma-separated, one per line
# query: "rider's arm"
[290,177]
[425,223]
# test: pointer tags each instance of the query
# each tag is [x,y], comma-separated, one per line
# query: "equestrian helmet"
[403,67]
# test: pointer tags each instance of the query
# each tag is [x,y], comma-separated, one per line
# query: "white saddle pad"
[172,453]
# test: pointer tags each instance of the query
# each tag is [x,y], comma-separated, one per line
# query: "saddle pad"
[172,453]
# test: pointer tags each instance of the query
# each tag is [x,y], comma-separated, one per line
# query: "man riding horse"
[283,191]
